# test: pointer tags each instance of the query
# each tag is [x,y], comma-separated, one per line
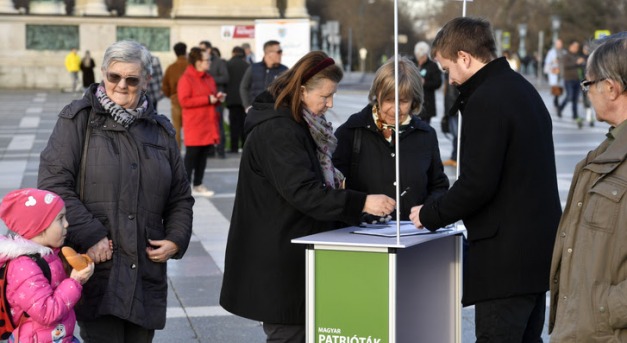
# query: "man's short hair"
[472,35]
[206,44]
[180,49]
[238,51]
[270,43]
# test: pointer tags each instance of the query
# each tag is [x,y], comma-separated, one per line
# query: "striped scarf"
[123,116]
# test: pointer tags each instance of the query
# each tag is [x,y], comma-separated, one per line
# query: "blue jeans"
[572,94]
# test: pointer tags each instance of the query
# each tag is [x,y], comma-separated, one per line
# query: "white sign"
[293,34]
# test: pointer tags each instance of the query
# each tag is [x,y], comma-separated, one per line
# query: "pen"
[405,191]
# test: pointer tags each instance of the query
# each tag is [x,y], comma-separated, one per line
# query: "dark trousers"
[220,146]
[518,319]
[110,329]
[572,95]
[237,115]
[195,161]
[279,333]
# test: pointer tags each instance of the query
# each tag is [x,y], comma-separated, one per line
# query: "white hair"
[421,49]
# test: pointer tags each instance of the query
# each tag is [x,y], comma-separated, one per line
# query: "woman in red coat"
[199,97]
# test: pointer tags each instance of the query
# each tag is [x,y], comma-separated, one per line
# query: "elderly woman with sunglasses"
[118,168]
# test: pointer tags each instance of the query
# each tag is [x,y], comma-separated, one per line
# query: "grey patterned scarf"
[123,116]
[322,133]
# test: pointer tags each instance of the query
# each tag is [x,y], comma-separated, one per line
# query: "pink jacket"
[49,305]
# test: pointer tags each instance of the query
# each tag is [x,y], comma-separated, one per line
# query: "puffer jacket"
[50,305]
[135,189]
[589,266]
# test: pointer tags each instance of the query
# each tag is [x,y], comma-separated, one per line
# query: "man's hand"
[414,216]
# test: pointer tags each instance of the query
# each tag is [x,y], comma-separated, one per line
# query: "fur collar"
[14,246]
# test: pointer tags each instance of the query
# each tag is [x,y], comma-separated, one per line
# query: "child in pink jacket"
[38,220]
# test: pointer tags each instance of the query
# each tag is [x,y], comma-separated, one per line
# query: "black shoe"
[559,112]
[591,124]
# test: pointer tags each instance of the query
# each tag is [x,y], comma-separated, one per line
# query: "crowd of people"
[114,185]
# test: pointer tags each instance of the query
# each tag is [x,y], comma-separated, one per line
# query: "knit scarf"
[388,129]
[322,133]
[123,116]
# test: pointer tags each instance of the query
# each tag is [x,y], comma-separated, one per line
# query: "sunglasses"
[278,51]
[132,81]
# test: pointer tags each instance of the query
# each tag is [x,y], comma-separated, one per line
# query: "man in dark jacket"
[236,67]
[259,75]
[431,80]
[507,190]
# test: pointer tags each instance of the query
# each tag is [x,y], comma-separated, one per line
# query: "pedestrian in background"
[431,80]
[87,69]
[450,119]
[259,75]
[287,188]
[572,62]
[250,55]
[153,92]
[73,66]
[589,268]
[366,143]
[115,163]
[553,71]
[219,72]
[199,98]
[506,192]
[236,66]
[169,86]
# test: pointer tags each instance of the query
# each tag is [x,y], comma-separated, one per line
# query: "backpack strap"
[355,154]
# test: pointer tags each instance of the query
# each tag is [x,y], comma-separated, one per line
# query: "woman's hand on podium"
[379,205]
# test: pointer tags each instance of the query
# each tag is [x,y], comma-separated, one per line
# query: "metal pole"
[396,135]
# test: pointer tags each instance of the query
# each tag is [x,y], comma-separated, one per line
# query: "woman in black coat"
[366,149]
[287,188]
[87,69]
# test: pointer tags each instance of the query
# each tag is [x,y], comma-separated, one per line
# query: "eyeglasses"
[278,51]
[585,84]
[130,80]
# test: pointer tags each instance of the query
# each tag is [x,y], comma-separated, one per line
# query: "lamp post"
[522,31]
[555,25]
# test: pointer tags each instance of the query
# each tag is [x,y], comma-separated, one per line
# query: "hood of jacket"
[263,110]
[15,246]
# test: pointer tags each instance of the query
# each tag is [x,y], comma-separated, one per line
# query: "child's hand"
[83,275]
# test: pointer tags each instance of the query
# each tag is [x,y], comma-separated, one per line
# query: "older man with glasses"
[259,75]
[589,266]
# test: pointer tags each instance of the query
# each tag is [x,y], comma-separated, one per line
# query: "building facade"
[34,40]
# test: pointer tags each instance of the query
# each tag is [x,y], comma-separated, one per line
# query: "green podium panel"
[351,289]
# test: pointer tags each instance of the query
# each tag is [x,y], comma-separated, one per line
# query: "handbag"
[557,90]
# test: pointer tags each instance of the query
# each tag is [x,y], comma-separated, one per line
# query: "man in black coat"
[236,67]
[431,80]
[507,190]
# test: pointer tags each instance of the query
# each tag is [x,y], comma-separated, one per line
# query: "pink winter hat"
[30,211]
